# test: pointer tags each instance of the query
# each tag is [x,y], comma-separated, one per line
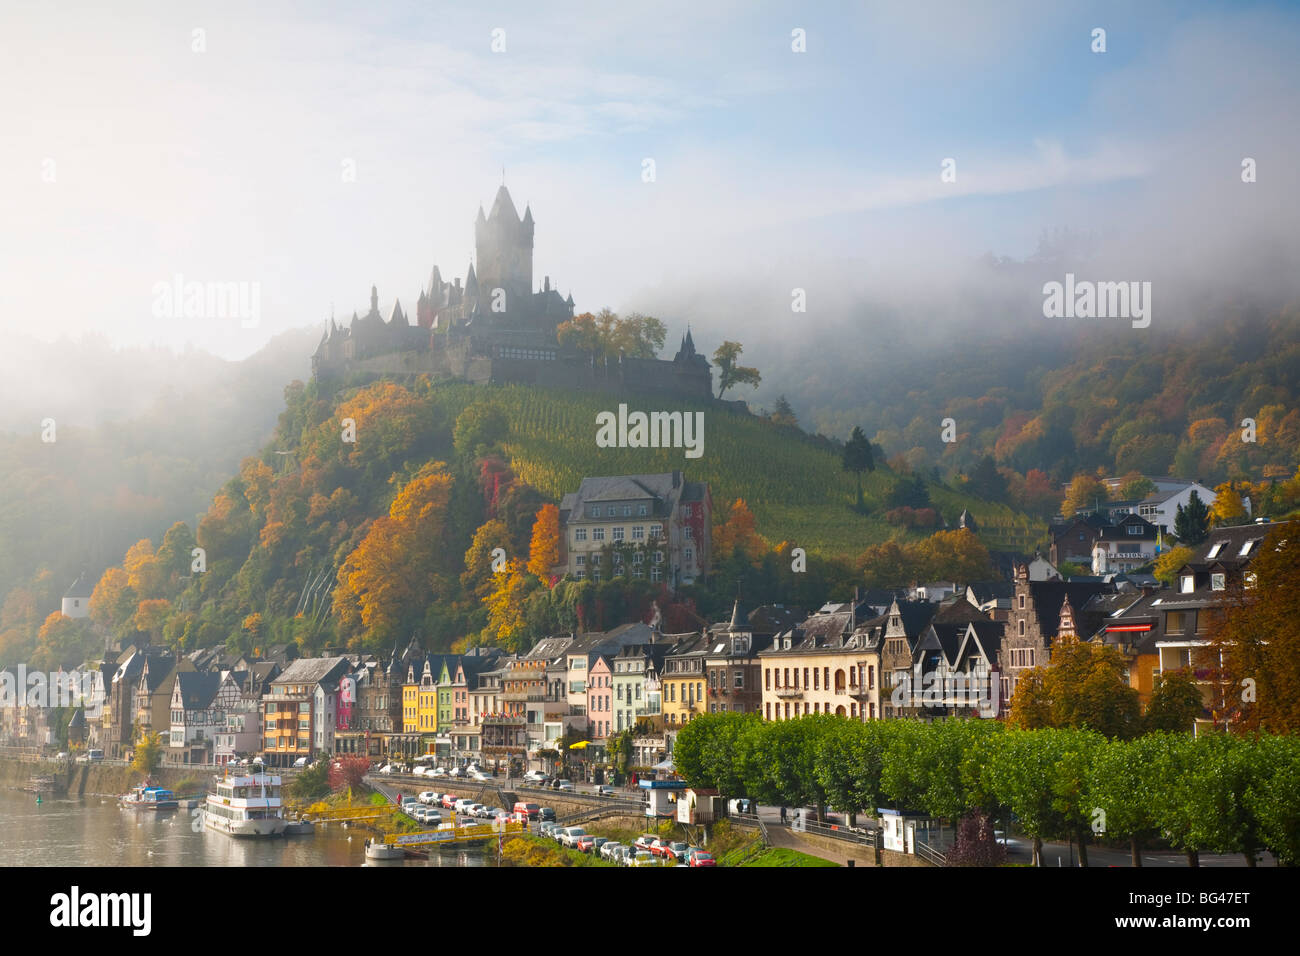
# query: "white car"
[463,804]
[386,768]
[438,772]
[427,797]
[534,776]
[480,775]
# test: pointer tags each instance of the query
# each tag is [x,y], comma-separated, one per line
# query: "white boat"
[383,851]
[246,805]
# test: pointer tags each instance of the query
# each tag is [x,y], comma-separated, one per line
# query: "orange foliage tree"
[544,550]
[394,573]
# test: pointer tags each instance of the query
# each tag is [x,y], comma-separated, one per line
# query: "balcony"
[520,696]
[789,693]
[501,720]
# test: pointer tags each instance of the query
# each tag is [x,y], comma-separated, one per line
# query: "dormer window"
[1187,584]
[1135,529]
[595,511]
[1218,582]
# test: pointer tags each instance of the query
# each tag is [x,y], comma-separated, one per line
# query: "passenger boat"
[148,798]
[246,805]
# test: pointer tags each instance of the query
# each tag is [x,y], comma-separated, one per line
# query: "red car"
[703,859]
[449,800]
[585,843]
[661,848]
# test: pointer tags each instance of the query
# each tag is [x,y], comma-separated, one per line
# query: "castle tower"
[504,251]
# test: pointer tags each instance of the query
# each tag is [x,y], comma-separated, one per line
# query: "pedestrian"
[783,816]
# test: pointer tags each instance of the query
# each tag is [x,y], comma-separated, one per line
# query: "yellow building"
[682,695]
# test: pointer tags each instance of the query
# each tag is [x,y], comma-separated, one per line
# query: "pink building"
[600,693]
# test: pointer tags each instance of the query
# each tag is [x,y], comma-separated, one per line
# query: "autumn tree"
[1169,563]
[729,373]
[1136,487]
[544,550]
[858,458]
[1082,686]
[1228,508]
[479,574]
[62,642]
[1084,493]
[113,602]
[1256,637]
[783,413]
[953,556]
[397,569]
[481,424]
[148,754]
[507,626]
[738,535]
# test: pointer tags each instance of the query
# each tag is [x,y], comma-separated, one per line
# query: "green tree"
[1273,795]
[311,783]
[1169,563]
[1175,703]
[1082,686]
[858,458]
[729,373]
[1192,523]
[1123,787]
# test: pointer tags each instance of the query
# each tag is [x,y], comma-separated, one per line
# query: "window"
[582,559]
[1187,584]
[595,560]
[767,678]
[1022,602]
[739,680]
[1135,529]
[1022,628]
[816,679]
[595,511]
[805,679]
[688,555]
[1218,582]
[688,531]
[659,557]
[1214,551]
[641,511]
[656,574]
[638,532]
[637,558]
[618,534]
[597,534]
[656,530]
[579,534]
[768,709]
[871,677]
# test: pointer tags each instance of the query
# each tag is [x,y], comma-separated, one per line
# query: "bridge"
[340,814]
[483,831]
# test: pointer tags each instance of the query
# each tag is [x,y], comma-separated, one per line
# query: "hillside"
[330,542]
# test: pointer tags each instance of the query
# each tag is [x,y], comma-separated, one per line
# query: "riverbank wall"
[97,779]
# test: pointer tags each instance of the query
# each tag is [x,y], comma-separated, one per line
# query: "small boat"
[299,828]
[148,798]
[383,851]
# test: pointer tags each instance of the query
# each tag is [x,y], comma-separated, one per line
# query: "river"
[93,831]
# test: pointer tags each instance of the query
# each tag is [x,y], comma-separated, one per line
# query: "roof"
[197,688]
[1049,597]
[80,588]
[1230,542]
[312,670]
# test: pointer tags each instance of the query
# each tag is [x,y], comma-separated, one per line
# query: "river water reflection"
[93,831]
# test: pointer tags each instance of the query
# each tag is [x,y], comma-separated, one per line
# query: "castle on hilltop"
[496,328]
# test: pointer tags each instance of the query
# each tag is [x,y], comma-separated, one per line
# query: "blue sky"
[773,168]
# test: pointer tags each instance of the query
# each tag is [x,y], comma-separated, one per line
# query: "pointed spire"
[471,281]
[480,218]
[398,318]
[736,623]
[503,205]
[374,300]
[528,215]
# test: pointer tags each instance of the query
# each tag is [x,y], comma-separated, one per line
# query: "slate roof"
[1049,596]
[198,688]
[80,588]
[312,670]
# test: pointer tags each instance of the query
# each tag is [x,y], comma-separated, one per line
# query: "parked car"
[545,829]
[570,838]
[449,801]
[605,791]
[565,786]
[457,772]
[520,817]
[702,858]
[438,772]
[644,842]
[534,776]
[585,843]
[427,797]
[661,848]
[432,818]
[530,810]
[598,842]
[546,813]
[641,858]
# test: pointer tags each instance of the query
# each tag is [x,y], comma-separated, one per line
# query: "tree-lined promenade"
[1213,793]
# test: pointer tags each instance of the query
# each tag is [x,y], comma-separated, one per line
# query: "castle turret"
[504,249]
